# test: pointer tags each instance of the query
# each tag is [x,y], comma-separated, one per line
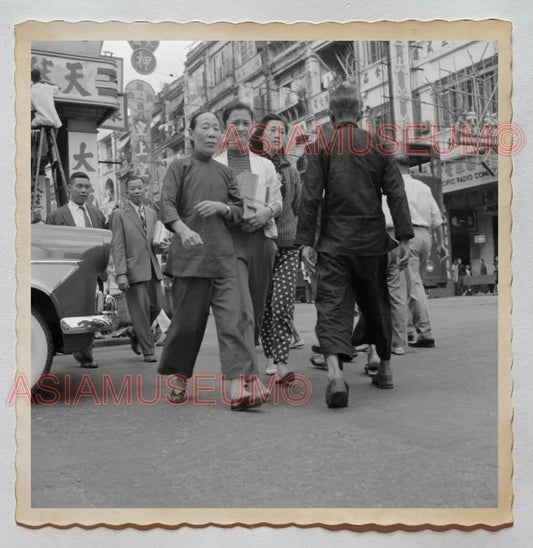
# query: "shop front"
[470,191]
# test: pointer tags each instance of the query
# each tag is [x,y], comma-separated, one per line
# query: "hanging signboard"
[141,98]
[143,61]
[80,79]
[118,121]
[83,156]
[137,44]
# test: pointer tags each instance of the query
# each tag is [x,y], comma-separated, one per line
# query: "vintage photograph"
[264,275]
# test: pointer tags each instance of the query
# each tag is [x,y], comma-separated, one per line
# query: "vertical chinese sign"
[141,98]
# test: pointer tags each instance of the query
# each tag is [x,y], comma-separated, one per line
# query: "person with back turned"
[348,175]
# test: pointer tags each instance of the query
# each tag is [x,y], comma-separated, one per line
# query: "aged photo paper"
[339,453]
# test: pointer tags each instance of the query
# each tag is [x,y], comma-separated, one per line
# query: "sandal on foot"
[247,402]
[318,362]
[178,397]
[337,394]
[288,378]
[382,381]
[371,368]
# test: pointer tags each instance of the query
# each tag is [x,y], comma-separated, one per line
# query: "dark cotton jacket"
[347,175]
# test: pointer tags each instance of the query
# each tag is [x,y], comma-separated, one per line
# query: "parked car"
[65,264]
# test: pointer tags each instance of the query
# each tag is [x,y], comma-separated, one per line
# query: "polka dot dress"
[276,331]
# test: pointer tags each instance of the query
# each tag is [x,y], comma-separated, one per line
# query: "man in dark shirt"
[348,175]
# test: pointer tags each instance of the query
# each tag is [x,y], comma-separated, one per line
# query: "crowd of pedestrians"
[243,224]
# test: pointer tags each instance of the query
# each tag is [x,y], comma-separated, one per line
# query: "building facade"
[89,96]
[432,89]
[446,95]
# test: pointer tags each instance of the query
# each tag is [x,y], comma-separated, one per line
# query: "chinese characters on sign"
[83,156]
[80,80]
[469,172]
[141,98]
[137,44]
[143,59]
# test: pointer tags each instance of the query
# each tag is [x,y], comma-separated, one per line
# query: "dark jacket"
[349,178]
[131,245]
[63,217]
[291,191]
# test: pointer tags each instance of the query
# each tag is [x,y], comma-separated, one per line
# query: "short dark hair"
[255,143]
[236,105]
[35,76]
[133,178]
[78,175]
[344,99]
[196,115]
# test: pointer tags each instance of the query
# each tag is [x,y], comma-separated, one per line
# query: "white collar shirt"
[138,210]
[77,214]
[423,208]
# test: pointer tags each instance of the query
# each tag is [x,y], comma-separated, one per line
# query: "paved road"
[430,442]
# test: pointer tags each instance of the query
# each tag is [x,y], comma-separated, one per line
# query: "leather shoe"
[337,394]
[423,343]
[88,365]
[382,381]
[134,343]
[150,358]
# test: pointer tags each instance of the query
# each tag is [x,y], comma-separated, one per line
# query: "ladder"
[56,167]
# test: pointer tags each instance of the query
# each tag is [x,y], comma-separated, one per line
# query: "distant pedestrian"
[455,276]
[495,264]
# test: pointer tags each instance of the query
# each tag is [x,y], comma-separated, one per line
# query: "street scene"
[430,442]
[264,274]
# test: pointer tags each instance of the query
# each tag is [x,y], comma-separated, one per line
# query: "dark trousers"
[341,280]
[144,303]
[256,254]
[192,298]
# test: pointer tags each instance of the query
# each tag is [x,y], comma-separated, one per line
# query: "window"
[375,51]
[247,50]
[221,64]
[469,96]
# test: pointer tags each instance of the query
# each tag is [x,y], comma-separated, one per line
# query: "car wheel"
[42,347]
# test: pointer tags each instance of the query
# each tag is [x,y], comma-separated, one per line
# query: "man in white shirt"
[42,102]
[77,212]
[425,216]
